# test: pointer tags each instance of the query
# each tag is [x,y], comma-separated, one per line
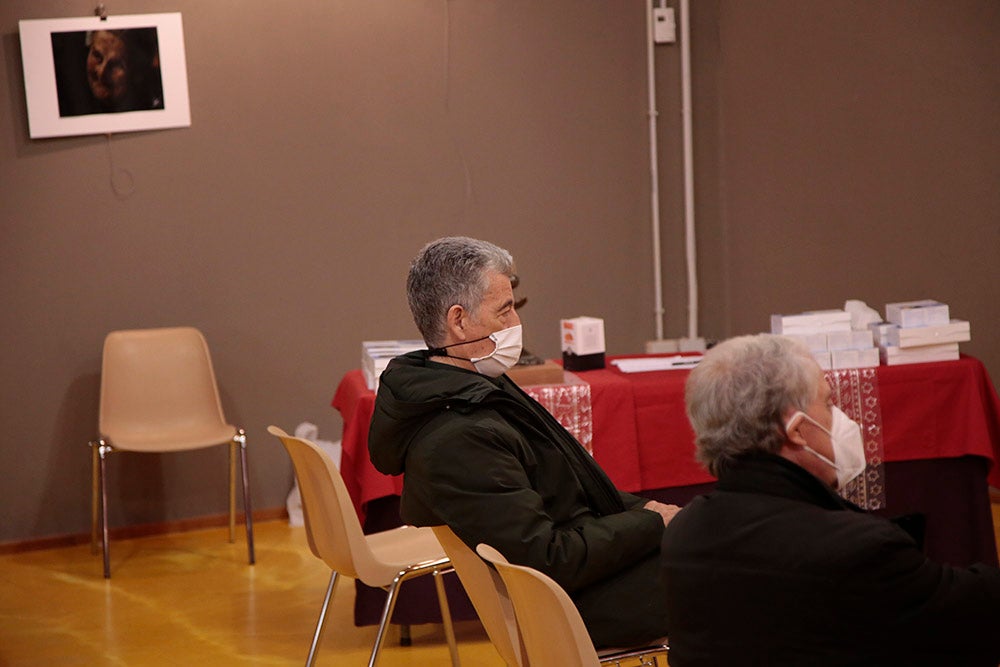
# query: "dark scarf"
[600,491]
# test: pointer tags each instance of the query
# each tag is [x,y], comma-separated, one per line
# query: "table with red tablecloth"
[939,436]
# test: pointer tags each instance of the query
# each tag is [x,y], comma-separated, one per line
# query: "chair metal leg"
[241,437]
[103,450]
[232,490]
[321,621]
[95,494]
[449,628]
[390,604]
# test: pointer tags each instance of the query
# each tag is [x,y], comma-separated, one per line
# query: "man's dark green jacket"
[484,458]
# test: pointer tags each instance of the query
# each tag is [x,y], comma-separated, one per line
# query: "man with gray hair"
[773,567]
[484,458]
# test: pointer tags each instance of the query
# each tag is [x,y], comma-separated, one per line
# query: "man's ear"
[456,322]
[794,430]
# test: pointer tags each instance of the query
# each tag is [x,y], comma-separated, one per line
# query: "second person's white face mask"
[848,445]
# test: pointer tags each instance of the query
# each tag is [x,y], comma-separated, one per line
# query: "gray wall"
[843,150]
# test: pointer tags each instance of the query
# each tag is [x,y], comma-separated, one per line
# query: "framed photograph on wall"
[99,76]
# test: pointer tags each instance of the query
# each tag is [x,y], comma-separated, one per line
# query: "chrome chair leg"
[103,450]
[232,490]
[95,494]
[241,437]
[321,621]
[449,628]
[390,604]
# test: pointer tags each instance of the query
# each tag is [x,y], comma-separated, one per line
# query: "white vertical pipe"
[654,176]
[692,273]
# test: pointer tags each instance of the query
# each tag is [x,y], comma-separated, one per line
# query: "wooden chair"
[158,394]
[383,560]
[488,595]
[550,625]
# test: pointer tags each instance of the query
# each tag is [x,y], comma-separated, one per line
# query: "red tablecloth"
[642,438]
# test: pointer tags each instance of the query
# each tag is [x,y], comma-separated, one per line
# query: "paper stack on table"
[644,364]
[919,331]
[829,335]
[376,355]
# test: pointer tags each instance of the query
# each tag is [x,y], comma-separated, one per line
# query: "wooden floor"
[191,599]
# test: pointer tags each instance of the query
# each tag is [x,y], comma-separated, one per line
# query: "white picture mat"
[40,78]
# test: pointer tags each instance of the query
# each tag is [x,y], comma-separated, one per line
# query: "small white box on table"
[921,313]
[582,343]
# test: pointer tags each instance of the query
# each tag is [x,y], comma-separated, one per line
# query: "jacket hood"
[409,396]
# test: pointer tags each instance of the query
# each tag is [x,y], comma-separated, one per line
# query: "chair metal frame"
[335,536]
[102,447]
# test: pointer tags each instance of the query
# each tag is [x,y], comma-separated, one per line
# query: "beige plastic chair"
[549,623]
[158,394]
[488,595]
[383,560]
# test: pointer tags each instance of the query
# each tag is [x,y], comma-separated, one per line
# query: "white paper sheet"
[643,364]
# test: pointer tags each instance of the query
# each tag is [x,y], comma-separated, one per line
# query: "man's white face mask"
[848,445]
[506,352]
[504,356]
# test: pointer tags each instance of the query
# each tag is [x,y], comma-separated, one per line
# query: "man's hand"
[665,511]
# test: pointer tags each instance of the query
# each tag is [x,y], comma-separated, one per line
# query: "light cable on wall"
[121,180]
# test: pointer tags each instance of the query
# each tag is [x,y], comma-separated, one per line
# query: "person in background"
[123,69]
[484,458]
[773,567]
[107,71]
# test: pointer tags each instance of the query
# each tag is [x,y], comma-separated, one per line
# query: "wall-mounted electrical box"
[664,26]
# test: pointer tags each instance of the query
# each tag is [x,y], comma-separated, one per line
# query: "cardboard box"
[838,340]
[545,373]
[376,355]
[824,360]
[843,359]
[957,331]
[811,322]
[582,343]
[922,313]
[583,335]
[880,332]
[815,342]
[894,356]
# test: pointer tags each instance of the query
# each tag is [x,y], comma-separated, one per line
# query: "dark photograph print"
[100,76]
[107,71]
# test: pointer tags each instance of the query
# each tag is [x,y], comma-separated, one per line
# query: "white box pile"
[829,336]
[376,355]
[919,331]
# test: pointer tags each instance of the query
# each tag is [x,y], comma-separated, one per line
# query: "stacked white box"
[811,322]
[830,338]
[824,359]
[922,313]
[895,356]
[956,331]
[376,355]
[864,358]
[920,331]
[880,332]
[850,340]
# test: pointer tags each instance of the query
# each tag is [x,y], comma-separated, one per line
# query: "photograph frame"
[42,89]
